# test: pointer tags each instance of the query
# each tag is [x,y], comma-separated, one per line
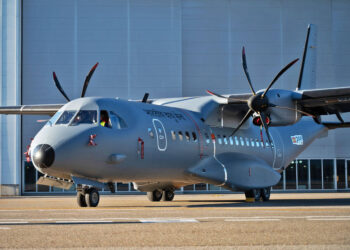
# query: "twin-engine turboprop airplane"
[161,145]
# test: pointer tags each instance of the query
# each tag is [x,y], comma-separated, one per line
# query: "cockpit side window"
[66,117]
[117,121]
[85,117]
[104,119]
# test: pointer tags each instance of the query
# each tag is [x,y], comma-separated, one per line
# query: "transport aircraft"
[241,142]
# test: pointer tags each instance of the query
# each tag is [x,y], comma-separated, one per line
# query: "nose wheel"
[88,197]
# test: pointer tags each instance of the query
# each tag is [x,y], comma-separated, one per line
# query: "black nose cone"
[43,156]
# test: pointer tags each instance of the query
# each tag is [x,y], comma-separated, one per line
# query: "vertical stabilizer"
[307,76]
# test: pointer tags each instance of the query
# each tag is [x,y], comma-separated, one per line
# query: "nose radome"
[43,156]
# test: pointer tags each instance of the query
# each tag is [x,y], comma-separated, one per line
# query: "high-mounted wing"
[44,109]
[325,101]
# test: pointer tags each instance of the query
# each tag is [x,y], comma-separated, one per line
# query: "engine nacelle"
[286,114]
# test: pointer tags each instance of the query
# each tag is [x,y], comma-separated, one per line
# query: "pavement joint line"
[248,220]
[84,221]
[14,222]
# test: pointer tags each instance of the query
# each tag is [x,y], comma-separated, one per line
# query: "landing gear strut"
[87,197]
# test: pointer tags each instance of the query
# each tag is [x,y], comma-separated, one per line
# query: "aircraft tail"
[307,76]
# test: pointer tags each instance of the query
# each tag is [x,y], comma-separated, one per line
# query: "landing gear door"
[161,135]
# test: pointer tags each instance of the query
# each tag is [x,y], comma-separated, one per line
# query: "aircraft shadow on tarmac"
[272,203]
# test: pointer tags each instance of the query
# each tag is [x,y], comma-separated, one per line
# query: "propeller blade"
[297,110]
[59,87]
[217,95]
[263,120]
[87,79]
[278,75]
[245,118]
[245,68]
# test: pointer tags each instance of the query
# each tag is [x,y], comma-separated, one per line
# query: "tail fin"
[307,76]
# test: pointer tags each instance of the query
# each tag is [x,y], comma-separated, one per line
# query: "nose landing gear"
[87,197]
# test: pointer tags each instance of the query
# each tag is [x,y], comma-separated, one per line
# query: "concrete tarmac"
[200,221]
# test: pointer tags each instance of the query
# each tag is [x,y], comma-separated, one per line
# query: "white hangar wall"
[176,48]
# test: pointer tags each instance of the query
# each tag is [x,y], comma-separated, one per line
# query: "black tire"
[253,194]
[156,195]
[168,195]
[257,194]
[92,197]
[81,200]
[265,193]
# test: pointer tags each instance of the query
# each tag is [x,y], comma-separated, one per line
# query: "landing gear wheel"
[92,197]
[252,195]
[257,195]
[81,200]
[156,195]
[168,195]
[265,193]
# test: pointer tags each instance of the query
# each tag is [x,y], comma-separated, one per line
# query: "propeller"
[258,103]
[87,79]
[86,83]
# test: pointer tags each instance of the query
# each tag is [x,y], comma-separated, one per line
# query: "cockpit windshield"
[85,117]
[66,117]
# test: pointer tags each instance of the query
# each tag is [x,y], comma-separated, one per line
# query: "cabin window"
[85,117]
[236,140]
[219,139]
[117,121]
[225,139]
[66,117]
[242,141]
[180,136]
[187,136]
[150,132]
[104,119]
[247,142]
[173,135]
[207,139]
[231,140]
[194,136]
[257,143]
[252,142]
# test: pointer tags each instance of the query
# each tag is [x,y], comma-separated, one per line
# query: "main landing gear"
[258,194]
[87,197]
[164,195]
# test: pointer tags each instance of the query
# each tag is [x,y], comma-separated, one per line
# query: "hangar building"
[168,48]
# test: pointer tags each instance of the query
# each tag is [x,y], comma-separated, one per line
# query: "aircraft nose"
[43,156]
